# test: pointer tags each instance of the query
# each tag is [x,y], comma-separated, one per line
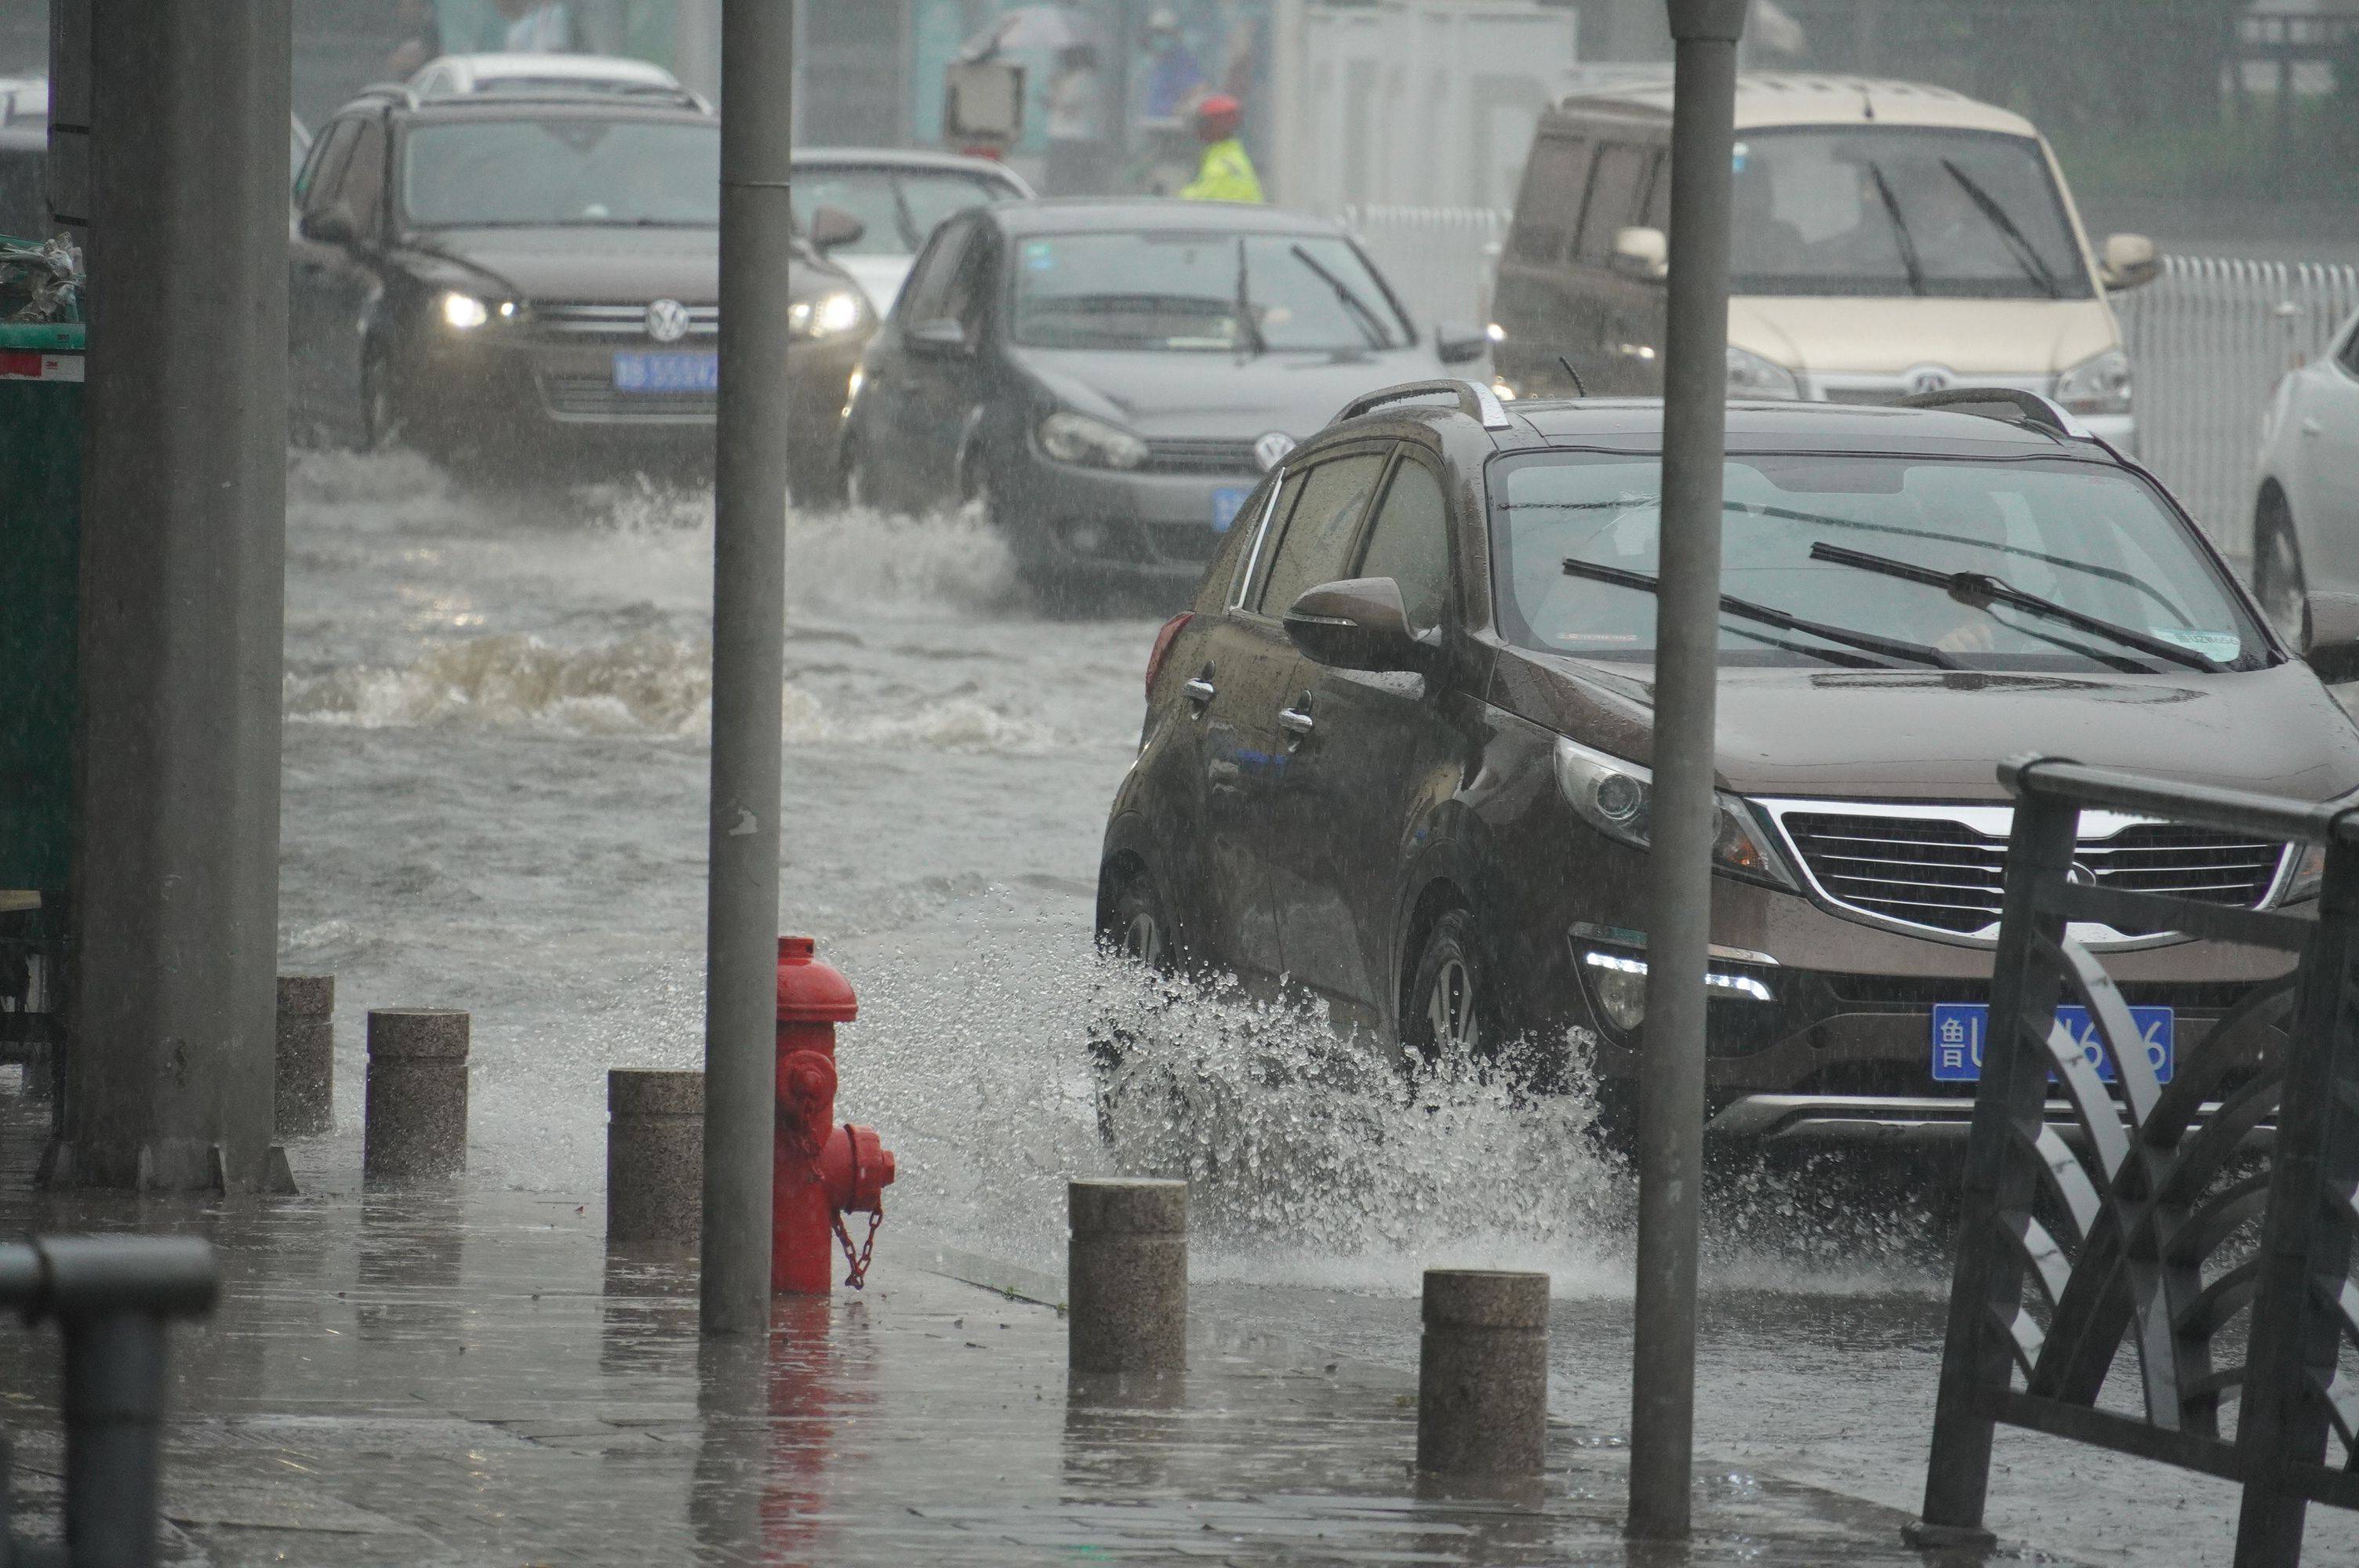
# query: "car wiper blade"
[1982,590]
[1372,326]
[1745,609]
[2026,255]
[1249,328]
[1908,258]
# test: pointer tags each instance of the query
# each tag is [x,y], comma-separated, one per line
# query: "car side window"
[1658,192]
[923,297]
[364,183]
[2349,357]
[324,175]
[1269,527]
[1613,194]
[1409,542]
[969,284]
[1320,532]
[1548,208]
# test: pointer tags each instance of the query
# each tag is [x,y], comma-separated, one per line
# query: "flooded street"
[495,770]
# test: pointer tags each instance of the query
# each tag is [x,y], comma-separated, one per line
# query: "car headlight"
[464,312]
[1750,375]
[1614,797]
[1093,443]
[2099,386]
[829,316]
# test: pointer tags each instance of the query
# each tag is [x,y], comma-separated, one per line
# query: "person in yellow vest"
[1226,174]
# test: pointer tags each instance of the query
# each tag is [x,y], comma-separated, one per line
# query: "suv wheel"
[380,415]
[2278,582]
[1452,1010]
[1138,928]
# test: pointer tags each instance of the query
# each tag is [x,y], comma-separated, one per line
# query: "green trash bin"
[40,564]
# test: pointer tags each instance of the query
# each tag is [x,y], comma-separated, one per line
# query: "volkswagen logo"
[1271,450]
[1929,378]
[667,320]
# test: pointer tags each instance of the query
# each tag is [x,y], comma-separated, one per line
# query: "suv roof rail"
[1477,401]
[2011,404]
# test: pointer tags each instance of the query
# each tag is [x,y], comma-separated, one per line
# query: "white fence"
[2209,340]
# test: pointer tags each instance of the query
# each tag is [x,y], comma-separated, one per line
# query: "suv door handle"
[1200,690]
[1295,719]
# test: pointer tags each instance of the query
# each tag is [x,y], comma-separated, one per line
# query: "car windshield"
[564,170]
[1200,291]
[897,208]
[1875,210]
[2097,544]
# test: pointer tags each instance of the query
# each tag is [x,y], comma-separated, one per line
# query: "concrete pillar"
[1481,1374]
[175,909]
[655,1155]
[1127,1277]
[416,1117]
[307,1053]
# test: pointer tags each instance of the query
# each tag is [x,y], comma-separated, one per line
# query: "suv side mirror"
[1357,624]
[329,226]
[2333,645]
[2130,261]
[833,226]
[1642,254]
[940,335]
[1455,342]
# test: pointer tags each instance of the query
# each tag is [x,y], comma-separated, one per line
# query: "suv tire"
[2278,580]
[1453,1006]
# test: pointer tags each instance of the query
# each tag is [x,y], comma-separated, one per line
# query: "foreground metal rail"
[2156,1207]
[110,1296]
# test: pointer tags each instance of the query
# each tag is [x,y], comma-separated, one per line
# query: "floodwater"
[496,767]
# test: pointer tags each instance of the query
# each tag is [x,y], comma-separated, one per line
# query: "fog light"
[1084,537]
[1621,987]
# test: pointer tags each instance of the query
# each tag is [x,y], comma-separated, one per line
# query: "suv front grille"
[1945,873]
[573,321]
[1202,457]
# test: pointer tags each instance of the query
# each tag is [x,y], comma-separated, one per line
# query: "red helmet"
[1218,117]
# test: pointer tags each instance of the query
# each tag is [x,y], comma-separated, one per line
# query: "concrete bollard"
[306,1055]
[1481,1375]
[655,1155]
[416,1115]
[1127,1277]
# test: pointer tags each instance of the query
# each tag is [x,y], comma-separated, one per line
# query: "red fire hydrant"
[820,1172]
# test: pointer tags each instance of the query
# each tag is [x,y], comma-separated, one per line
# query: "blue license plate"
[642,372]
[1227,504]
[1960,1027]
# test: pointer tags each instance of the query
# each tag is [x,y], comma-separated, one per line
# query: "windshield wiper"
[1371,325]
[1908,258]
[1247,326]
[1983,591]
[1745,609]
[2026,255]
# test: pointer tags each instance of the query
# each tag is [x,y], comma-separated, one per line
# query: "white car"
[461,75]
[898,198]
[2306,505]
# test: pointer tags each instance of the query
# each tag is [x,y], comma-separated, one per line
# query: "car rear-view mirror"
[328,226]
[1455,342]
[2130,261]
[940,335]
[1643,253]
[2334,644]
[1359,623]
[833,226]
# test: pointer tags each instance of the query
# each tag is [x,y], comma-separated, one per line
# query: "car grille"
[1202,457]
[1940,872]
[1866,396]
[594,397]
[574,321]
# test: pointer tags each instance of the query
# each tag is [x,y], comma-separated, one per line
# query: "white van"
[1890,239]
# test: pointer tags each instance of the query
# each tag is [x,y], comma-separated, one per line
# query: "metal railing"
[2169,1237]
[2208,341]
[111,1296]
[1438,259]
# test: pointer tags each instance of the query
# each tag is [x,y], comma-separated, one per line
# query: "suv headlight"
[1092,443]
[1750,375]
[2309,873]
[464,312]
[2099,386]
[828,315]
[1614,797]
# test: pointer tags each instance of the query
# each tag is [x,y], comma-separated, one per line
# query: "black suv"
[528,273]
[1395,753]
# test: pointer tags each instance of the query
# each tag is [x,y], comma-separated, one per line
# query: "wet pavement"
[471,1376]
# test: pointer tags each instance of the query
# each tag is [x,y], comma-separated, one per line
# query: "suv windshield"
[563,171]
[1202,291]
[897,207]
[1877,210]
[2098,544]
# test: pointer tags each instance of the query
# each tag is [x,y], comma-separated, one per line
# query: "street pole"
[1687,674]
[749,566]
[174,910]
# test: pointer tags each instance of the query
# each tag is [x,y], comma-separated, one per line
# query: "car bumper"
[1140,523]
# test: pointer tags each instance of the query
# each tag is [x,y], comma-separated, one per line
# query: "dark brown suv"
[1395,753]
